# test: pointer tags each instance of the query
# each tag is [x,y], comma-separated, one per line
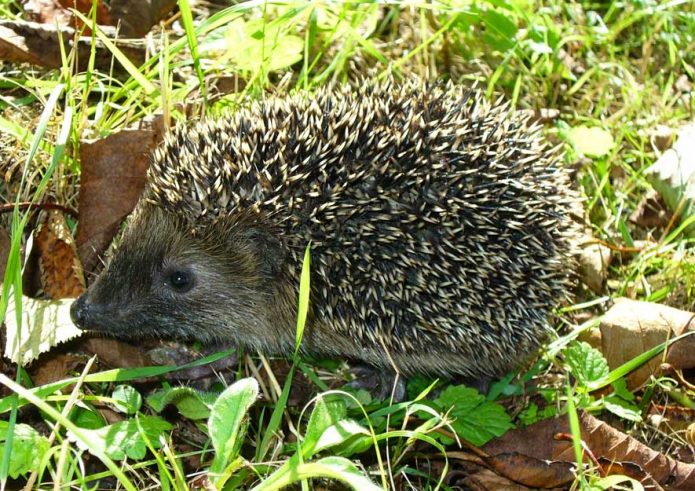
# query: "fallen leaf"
[614,449]
[39,44]
[61,272]
[136,18]
[44,325]
[630,328]
[113,177]
[651,212]
[4,250]
[673,175]
[594,260]
[591,141]
[53,367]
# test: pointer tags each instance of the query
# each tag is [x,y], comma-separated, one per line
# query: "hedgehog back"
[438,223]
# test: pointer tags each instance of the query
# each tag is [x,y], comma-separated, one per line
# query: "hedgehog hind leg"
[383,384]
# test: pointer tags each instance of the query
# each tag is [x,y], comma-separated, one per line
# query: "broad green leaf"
[126,399]
[226,419]
[28,448]
[622,408]
[123,439]
[341,432]
[477,420]
[591,141]
[191,403]
[324,415]
[338,468]
[586,363]
[253,46]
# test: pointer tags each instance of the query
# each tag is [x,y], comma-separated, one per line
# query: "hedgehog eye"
[181,281]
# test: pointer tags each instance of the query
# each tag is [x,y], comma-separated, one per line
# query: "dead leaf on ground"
[537,443]
[117,354]
[630,328]
[651,212]
[136,17]
[58,12]
[44,324]
[486,480]
[39,44]
[5,244]
[113,177]
[594,260]
[673,175]
[61,272]
[53,367]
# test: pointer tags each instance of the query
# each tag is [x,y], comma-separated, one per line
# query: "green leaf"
[591,141]
[191,403]
[345,431]
[87,418]
[126,399]
[587,364]
[123,439]
[324,415]
[226,420]
[477,419]
[28,448]
[338,468]
[500,31]
[254,45]
[621,407]
[304,294]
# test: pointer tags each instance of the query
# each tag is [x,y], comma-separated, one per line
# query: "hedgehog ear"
[268,249]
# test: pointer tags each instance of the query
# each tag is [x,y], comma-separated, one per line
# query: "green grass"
[619,66]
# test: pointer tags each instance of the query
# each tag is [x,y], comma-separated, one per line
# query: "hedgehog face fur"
[439,226]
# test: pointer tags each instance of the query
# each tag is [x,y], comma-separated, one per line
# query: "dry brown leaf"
[53,367]
[57,12]
[487,480]
[631,327]
[616,451]
[594,260]
[117,354]
[61,272]
[651,212]
[136,18]
[531,471]
[113,177]
[39,44]
[5,243]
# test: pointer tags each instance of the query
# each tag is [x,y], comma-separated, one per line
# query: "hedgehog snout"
[87,315]
[78,312]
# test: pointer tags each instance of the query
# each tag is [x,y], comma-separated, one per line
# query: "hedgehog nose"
[78,312]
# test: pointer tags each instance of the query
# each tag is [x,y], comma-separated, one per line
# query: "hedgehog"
[439,227]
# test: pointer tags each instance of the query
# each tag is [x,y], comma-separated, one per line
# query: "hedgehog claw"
[382,384]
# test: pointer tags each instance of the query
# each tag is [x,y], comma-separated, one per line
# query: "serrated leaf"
[226,419]
[586,363]
[591,141]
[126,399]
[477,420]
[123,439]
[44,324]
[28,448]
[191,403]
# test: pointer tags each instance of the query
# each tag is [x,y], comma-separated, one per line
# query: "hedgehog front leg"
[383,384]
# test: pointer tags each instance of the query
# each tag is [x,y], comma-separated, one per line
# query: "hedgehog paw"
[382,384]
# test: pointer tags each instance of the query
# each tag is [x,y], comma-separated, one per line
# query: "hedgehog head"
[170,277]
